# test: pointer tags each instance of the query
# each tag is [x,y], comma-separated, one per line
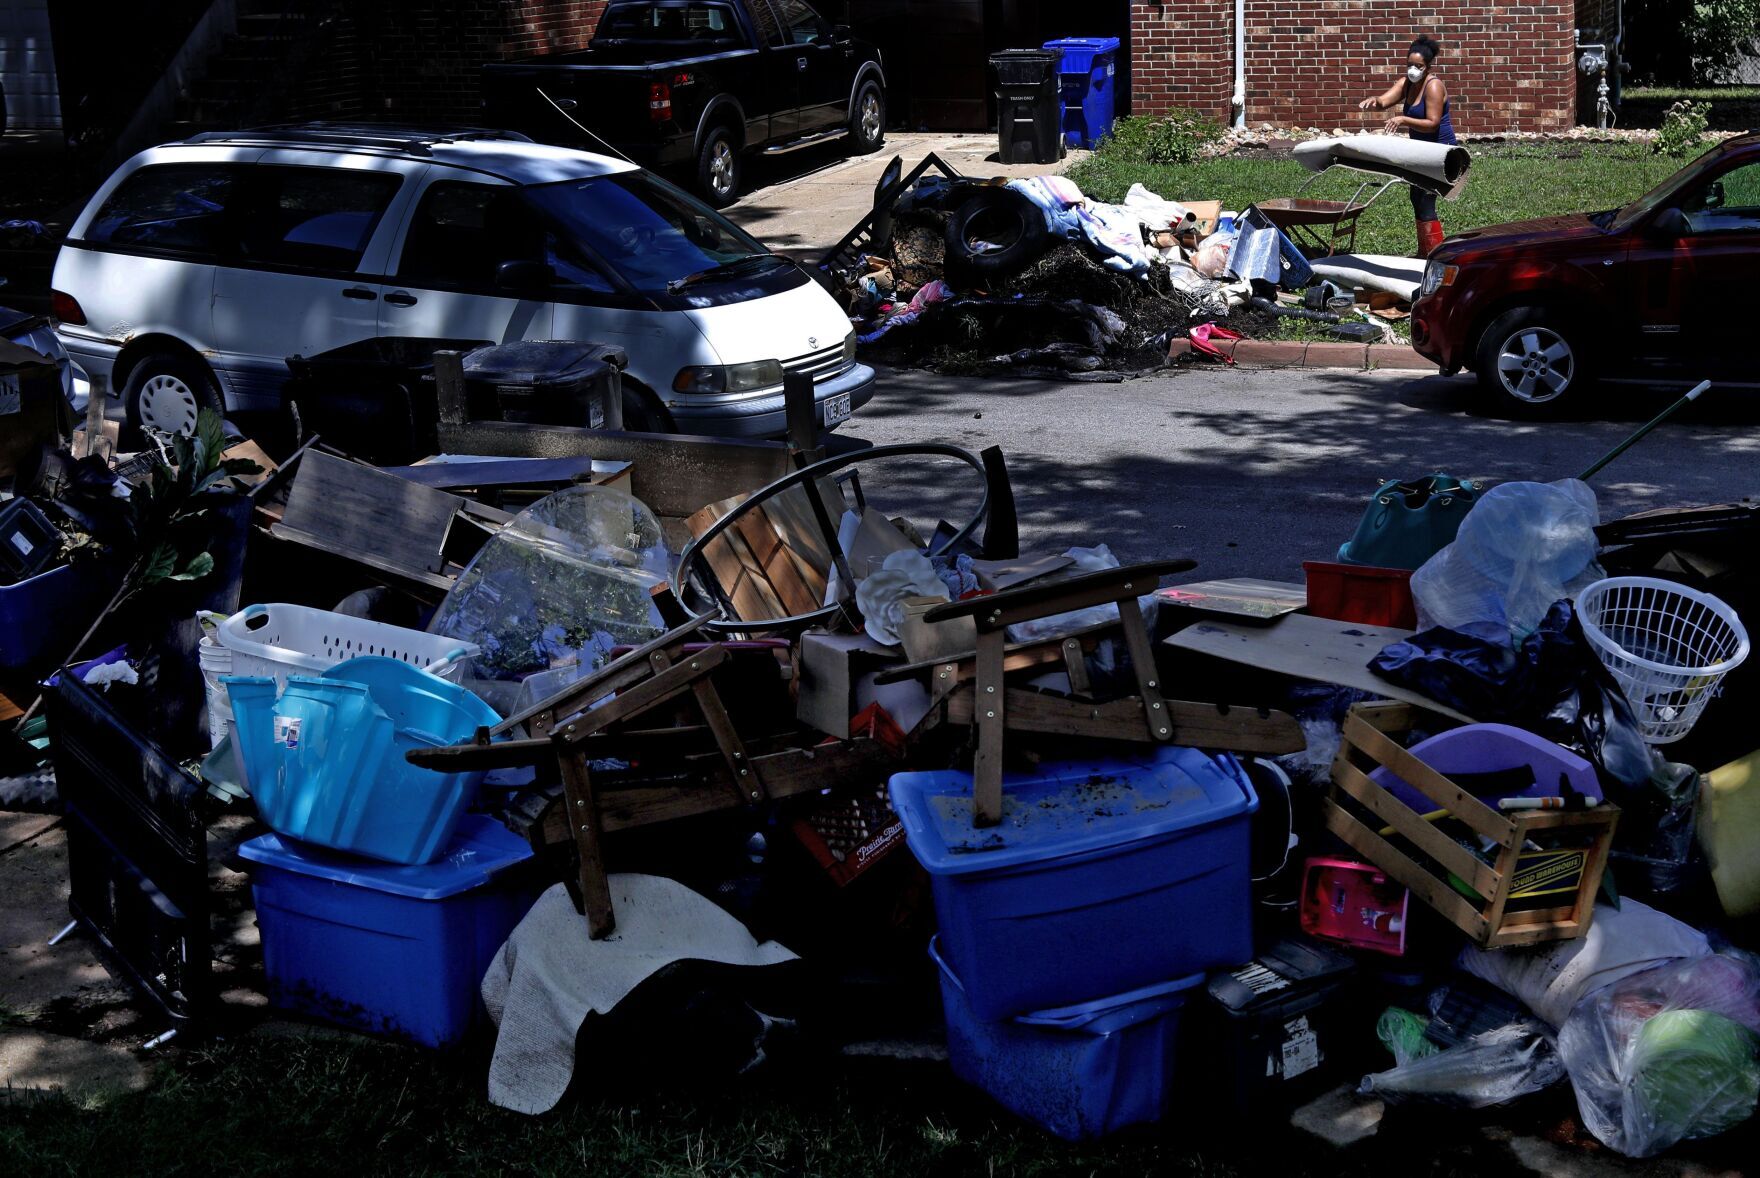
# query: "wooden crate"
[1424,856]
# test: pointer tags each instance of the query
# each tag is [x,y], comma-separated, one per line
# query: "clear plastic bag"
[561,585]
[1493,1068]
[1667,1054]
[1521,548]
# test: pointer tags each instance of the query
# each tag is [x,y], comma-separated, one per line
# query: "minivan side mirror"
[524,275]
[1670,224]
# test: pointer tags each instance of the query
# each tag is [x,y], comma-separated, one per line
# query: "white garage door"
[27,66]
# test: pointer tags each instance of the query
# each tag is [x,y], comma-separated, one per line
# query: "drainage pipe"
[1239,100]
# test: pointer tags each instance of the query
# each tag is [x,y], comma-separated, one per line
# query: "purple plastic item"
[1486,748]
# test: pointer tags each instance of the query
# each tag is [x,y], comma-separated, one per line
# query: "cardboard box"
[33,410]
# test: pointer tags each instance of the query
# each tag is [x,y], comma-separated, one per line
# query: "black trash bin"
[1029,105]
[559,382]
[374,398]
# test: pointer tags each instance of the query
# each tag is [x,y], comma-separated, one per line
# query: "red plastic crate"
[1360,593]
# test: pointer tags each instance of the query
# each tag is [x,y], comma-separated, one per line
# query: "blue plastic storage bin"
[42,617]
[325,762]
[1078,1071]
[396,951]
[1102,878]
[1089,71]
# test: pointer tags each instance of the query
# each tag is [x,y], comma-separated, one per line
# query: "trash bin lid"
[542,362]
[480,849]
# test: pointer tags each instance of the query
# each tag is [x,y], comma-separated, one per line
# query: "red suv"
[1652,293]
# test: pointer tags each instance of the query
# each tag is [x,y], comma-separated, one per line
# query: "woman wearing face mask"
[1423,102]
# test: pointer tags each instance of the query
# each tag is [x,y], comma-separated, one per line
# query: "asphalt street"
[1253,472]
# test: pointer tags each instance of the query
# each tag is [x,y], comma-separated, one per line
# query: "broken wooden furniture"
[982,688]
[661,708]
[1539,858]
[783,558]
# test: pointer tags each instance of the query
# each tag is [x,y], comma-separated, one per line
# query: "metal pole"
[1692,395]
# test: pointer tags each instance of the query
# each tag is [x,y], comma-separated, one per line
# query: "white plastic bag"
[1667,1054]
[1492,1068]
[1521,548]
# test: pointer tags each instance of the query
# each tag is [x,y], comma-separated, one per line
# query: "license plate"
[837,409]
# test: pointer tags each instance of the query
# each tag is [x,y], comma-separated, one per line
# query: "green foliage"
[171,513]
[1177,137]
[1683,129]
[1689,41]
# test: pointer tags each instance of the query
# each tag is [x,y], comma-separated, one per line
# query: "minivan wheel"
[867,130]
[1531,361]
[719,169]
[643,414]
[166,391]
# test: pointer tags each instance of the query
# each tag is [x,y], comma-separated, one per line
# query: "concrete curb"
[1300,354]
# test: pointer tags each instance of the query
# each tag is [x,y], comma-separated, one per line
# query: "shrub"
[1177,137]
[1683,128]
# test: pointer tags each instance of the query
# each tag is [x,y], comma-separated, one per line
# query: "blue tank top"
[1444,132]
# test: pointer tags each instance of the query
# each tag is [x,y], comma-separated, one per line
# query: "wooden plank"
[1303,647]
[633,701]
[674,474]
[1383,750]
[1136,641]
[583,818]
[1044,599]
[1411,826]
[360,512]
[613,676]
[991,717]
[1075,665]
[1019,656]
[780,570]
[1198,725]
[1394,862]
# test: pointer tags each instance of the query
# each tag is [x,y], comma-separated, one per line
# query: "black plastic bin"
[375,398]
[1029,105]
[1277,1031]
[557,382]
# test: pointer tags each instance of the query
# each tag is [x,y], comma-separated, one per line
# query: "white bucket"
[216,661]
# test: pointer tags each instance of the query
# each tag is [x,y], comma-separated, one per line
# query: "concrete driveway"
[802,204]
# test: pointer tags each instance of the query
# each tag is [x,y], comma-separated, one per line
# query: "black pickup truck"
[697,84]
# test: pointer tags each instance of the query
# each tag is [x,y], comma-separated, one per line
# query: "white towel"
[550,975]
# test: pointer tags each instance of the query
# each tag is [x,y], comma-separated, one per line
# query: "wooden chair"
[974,688]
[628,710]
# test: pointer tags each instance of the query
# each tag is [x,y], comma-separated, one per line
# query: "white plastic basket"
[1669,647]
[283,640]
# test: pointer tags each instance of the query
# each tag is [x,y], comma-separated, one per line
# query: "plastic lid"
[1099,1016]
[536,362]
[1277,973]
[480,849]
[1069,808]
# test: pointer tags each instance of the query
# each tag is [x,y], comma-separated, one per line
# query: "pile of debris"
[1032,277]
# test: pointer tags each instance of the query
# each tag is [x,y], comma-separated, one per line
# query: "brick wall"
[1506,65]
[418,59]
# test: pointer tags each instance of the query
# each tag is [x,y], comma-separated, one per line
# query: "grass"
[1510,182]
[283,1105]
[1696,93]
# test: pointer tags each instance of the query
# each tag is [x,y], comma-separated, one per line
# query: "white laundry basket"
[1669,647]
[282,640]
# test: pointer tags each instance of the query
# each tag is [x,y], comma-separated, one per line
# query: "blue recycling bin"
[1089,77]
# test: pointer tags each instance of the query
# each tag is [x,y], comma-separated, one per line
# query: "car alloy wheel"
[1536,365]
[168,406]
[870,116]
[721,168]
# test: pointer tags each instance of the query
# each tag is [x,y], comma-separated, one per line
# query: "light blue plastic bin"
[1103,877]
[325,762]
[1078,1071]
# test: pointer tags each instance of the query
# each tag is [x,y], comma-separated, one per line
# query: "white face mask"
[1415,73]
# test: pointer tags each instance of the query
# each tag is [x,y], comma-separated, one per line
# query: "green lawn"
[1696,93]
[291,1106]
[1509,183]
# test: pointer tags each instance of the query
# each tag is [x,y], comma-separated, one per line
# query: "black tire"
[1011,228]
[643,413]
[1533,361]
[156,380]
[867,122]
[720,167]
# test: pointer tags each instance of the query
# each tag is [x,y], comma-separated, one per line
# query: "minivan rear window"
[177,208]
